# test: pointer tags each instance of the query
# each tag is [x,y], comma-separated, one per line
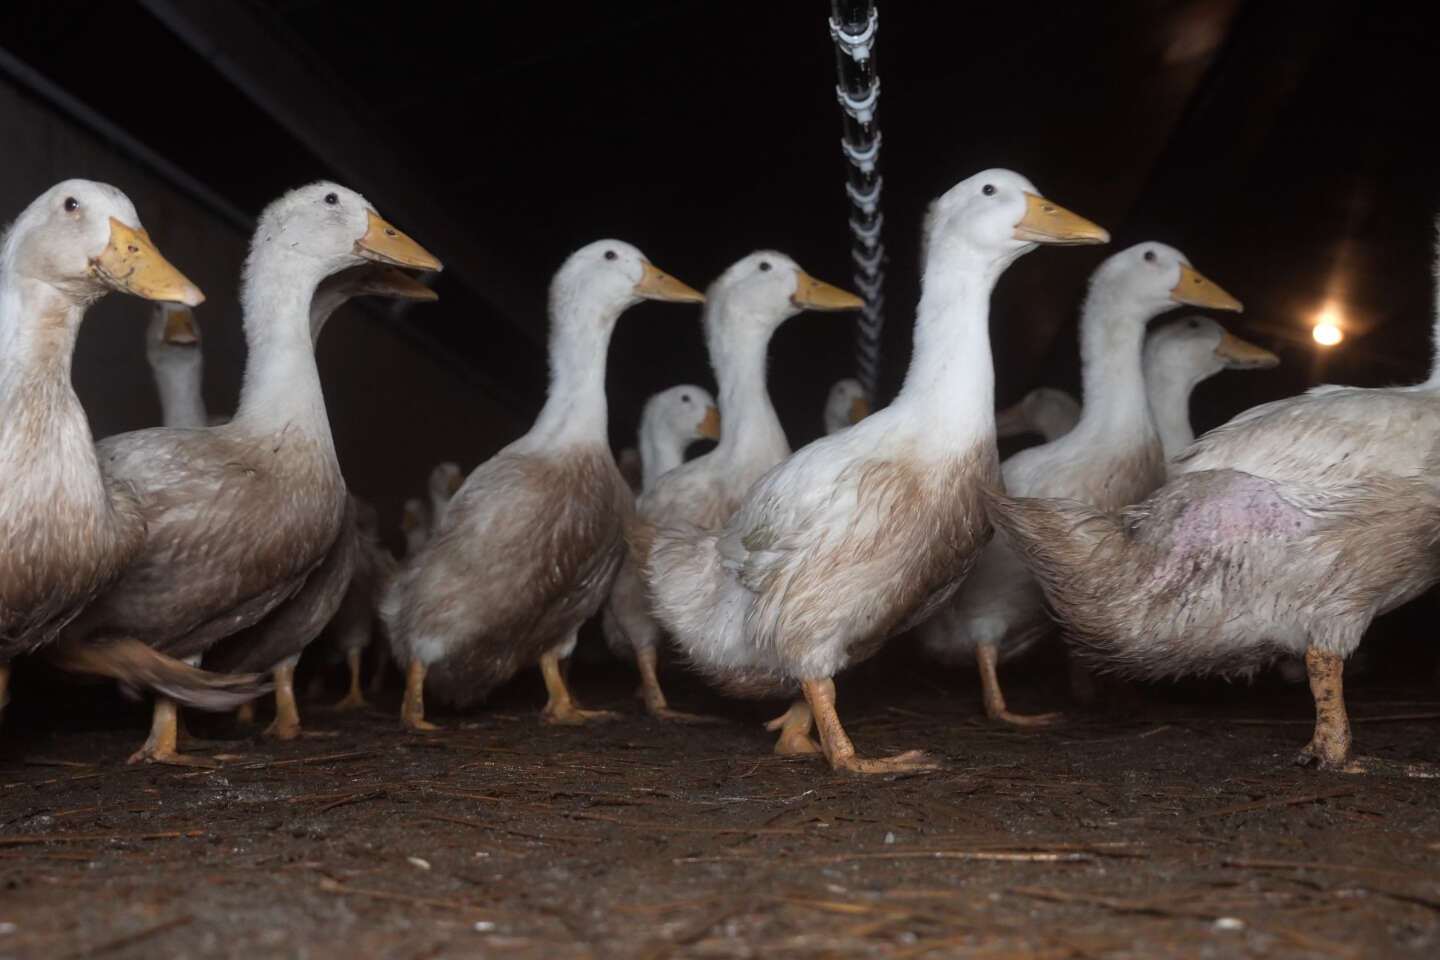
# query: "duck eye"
[988,189]
[684,398]
[1149,256]
[71,204]
[610,254]
[332,199]
[764,265]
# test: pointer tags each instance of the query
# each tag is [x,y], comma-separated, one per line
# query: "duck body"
[864,532]
[1285,530]
[529,545]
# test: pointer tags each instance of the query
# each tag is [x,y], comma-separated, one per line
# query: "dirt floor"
[1173,825]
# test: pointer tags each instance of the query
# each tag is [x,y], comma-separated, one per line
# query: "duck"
[414,525]
[859,535]
[275,644]
[1284,531]
[239,515]
[70,529]
[445,478]
[743,308]
[529,544]
[845,405]
[352,629]
[1048,411]
[172,349]
[1181,355]
[1111,458]
[669,422]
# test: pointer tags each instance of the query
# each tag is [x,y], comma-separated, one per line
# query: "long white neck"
[574,411]
[44,433]
[178,381]
[660,452]
[281,389]
[1169,392]
[950,386]
[1434,379]
[738,349]
[1115,408]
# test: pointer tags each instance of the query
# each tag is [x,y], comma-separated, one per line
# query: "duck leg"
[837,746]
[1329,748]
[794,726]
[412,708]
[986,657]
[354,699]
[561,708]
[159,747]
[286,725]
[647,660]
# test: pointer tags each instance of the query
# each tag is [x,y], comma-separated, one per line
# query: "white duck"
[530,543]
[1047,411]
[743,309]
[1111,458]
[275,644]
[670,421]
[445,478]
[172,348]
[1284,531]
[861,534]
[845,405]
[68,530]
[1179,356]
[239,515]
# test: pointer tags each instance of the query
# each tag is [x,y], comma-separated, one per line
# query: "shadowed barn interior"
[1284,147]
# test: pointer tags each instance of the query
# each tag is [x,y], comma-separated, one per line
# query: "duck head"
[1152,278]
[445,479]
[84,239]
[996,216]
[846,405]
[760,291]
[681,414]
[1194,348]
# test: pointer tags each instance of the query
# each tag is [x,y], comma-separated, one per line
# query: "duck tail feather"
[137,668]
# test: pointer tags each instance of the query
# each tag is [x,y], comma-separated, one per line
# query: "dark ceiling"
[1286,147]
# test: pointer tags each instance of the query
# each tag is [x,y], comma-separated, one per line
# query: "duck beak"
[454,484]
[1046,222]
[1011,422]
[1243,355]
[385,281]
[859,409]
[385,244]
[131,263]
[655,284]
[812,294]
[1197,290]
[180,327]
[710,427]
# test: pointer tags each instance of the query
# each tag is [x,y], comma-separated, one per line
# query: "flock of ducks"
[198,560]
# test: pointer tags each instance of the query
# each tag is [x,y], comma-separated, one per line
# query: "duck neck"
[178,381]
[951,381]
[574,411]
[281,389]
[38,327]
[1115,408]
[1169,392]
[738,348]
[660,452]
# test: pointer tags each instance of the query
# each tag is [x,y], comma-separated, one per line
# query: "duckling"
[743,309]
[1047,411]
[239,515]
[1178,357]
[671,421]
[530,543]
[1286,530]
[1113,457]
[845,405]
[864,533]
[69,529]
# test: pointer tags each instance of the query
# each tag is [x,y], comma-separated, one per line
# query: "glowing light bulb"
[1327,334]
